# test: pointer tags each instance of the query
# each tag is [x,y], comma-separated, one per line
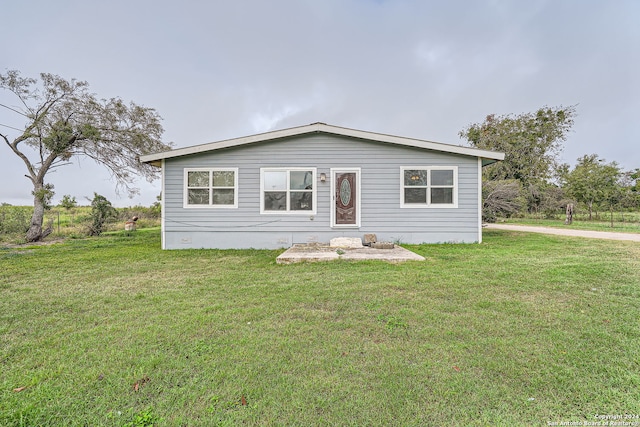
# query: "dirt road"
[568,232]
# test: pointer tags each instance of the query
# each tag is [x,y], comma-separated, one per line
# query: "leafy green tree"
[532,143]
[630,189]
[594,182]
[63,121]
[68,202]
[634,178]
[101,212]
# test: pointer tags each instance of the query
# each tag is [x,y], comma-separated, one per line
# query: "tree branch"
[24,158]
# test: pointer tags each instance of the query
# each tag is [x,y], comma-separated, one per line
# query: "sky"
[415,68]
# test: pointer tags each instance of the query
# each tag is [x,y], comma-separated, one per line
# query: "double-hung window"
[211,188]
[288,190]
[429,186]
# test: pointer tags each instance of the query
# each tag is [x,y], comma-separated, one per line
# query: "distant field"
[14,221]
[629,222]
[520,330]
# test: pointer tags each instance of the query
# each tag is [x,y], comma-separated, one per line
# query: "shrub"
[14,219]
[101,212]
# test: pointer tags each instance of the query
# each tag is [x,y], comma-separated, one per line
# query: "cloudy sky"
[417,68]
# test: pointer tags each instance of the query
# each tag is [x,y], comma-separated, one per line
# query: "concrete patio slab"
[321,252]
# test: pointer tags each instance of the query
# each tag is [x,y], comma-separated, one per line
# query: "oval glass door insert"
[345,192]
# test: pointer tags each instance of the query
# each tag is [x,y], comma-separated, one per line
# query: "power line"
[14,110]
[11,127]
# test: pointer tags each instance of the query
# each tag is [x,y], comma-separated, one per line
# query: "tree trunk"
[569,218]
[590,210]
[35,232]
[611,211]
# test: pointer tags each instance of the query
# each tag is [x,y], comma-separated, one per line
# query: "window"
[207,188]
[434,186]
[288,190]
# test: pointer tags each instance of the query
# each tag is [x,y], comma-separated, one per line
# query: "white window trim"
[210,205]
[314,191]
[429,205]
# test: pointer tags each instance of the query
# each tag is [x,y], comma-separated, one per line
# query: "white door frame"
[357,201]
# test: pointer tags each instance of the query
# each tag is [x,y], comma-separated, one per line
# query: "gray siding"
[381,213]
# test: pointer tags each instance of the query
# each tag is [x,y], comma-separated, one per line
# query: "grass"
[523,329]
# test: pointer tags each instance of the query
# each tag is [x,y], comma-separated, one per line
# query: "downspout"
[479,200]
[162,205]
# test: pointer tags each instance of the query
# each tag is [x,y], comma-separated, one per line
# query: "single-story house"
[313,183]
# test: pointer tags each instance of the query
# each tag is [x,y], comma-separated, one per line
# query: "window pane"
[275,180]
[223,197]
[441,177]
[275,201]
[223,178]
[441,195]
[198,197]
[301,201]
[415,195]
[301,180]
[415,177]
[198,179]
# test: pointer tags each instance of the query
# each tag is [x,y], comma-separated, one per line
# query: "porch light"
[323,177]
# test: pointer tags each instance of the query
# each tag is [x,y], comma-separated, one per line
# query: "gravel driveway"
[567,232]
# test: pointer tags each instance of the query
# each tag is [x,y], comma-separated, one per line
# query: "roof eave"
[321,127]
[487,162]
[219,145]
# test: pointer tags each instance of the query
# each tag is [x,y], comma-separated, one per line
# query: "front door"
[346,198]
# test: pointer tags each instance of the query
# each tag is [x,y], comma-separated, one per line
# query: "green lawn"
[523,329]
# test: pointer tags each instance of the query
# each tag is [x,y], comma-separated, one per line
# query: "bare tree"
[63,120]
[501,198]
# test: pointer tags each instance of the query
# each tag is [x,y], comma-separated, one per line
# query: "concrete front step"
[316,252]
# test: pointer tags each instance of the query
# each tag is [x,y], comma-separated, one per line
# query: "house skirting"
[282,239]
